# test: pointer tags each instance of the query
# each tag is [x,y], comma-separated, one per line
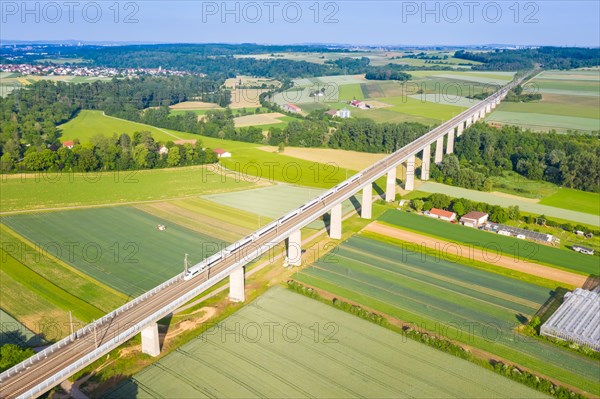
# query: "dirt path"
[450,250]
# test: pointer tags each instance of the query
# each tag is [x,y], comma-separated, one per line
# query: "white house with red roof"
[221,153]
[68,144]
[442,214]
[292,108]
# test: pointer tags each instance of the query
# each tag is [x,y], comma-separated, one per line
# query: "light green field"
[570,101]
[544,122]
[351,92]
[580,106]
[536,208]
[411,106]
[118,246]
[568,198]
[457,301]
[276,201]
[449,99]
[91,123]
[52,190]
[334,355]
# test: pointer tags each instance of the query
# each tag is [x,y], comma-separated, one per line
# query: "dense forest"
[545,57]
[570,160]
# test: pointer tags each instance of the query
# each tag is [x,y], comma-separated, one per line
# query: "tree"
[7,162]
[440,201]
[418,205]
[174,157]
[11,355]
[281,147]
[458,208]
[514,212]
[498,215]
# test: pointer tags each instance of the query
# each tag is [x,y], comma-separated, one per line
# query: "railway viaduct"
[56,363]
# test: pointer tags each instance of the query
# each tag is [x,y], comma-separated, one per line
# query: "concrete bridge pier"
[335,222]
[409,184]
[439,150]
[488,108]
[475,117]
[482,113]
[390,186]
[450,143]
[459,129]
[237,285]
[425,165]
[366,207]
[468,122]
[294,249]
[150,341]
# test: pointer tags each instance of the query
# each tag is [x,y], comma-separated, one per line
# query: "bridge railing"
[85,330]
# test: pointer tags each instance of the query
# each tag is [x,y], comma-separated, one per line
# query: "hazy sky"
[348,22]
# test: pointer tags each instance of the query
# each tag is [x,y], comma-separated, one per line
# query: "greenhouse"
[577,319]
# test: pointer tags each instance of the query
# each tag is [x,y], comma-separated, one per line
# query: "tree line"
[570,160]
[117,152]
[522,59]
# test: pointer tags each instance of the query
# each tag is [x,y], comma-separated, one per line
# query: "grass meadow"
[314,351]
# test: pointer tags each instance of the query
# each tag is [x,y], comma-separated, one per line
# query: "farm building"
[583,250]
[221,153]
[442,214]
[519,233]
[577,319]
[474,219]
[68,144]
[292,108]
[342,113]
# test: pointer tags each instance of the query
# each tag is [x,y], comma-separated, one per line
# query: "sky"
[361,22]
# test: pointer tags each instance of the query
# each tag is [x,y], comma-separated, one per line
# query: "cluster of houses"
[65,70]
[472,219]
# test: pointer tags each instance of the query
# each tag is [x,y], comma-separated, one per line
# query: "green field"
[88,124]
[509,246]
[49,190]
[569,198]
[315,351]
[118,246]
[470,305]
[351,92]
[424,109]
[542,208]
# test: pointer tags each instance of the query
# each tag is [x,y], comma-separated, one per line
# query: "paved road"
[23,381]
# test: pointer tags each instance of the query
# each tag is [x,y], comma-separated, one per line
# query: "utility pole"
[95,335]
[71,321]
